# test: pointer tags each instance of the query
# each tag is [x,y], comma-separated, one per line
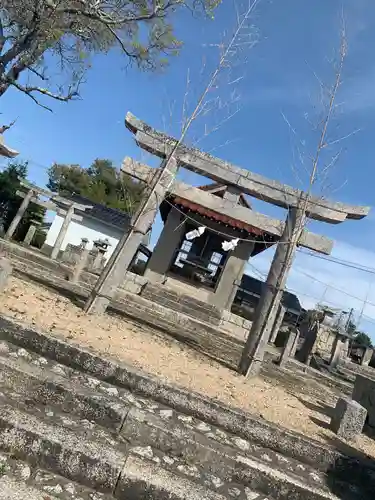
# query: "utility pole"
[119,262]
[349,319]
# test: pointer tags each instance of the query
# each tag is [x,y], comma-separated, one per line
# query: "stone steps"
[211,340]
[79,419]
[86,453]
[23,258]
[182,303]
[19,480]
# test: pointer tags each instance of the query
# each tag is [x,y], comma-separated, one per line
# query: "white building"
[99,222]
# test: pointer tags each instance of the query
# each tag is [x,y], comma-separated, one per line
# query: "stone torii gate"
[290,233]
[5,150]
[32,196]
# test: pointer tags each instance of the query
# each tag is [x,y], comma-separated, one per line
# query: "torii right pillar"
[255,346]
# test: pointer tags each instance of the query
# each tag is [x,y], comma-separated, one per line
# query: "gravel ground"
[299,409]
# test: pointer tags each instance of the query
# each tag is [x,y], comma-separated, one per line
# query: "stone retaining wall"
[133,283]
[236,326]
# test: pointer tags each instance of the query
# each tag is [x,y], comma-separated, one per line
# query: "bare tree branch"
[4,128]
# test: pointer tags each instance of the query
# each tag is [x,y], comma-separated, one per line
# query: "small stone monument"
[364,394]
[289,347]
[309,331]
[31,232]
[338,348]
[82,261]
[367,355]
[348,419]
[5,272]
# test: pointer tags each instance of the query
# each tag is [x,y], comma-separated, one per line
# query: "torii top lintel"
[55,198]
[249,182]
[6,150]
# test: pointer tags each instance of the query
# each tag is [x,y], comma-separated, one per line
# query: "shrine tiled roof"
[106,215]
[210,214]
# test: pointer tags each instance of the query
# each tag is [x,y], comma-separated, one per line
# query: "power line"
[333,287]
[342,262]
[365,301]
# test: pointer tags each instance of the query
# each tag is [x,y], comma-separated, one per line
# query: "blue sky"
[296,39]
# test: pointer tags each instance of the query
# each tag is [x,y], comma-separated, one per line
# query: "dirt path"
[156,353]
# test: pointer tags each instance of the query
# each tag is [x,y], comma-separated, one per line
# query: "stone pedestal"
[364,394]
[288,348]
[80,265]
[348,419]
[337,349]
[367,355]
[277,324]
[5,272]
[31,232]
[295,344]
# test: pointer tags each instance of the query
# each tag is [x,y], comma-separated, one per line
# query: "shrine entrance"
[200,261]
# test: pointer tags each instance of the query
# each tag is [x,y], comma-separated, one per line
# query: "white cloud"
[316,280]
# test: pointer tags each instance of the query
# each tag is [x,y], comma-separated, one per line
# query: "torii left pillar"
[20,213]
[118,263]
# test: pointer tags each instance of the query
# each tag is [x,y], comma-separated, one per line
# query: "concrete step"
[61,443]
[21,481]
[208,338]
[165,291]
[190,310]
[184,445]
[84,453]
[182,303]
[23,259]
[31,376]
[233,420]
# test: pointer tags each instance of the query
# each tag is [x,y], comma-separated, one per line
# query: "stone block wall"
[133,283]
[71,254]
[236,326]
[324,341]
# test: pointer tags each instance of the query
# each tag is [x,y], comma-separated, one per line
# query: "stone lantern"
[101,247]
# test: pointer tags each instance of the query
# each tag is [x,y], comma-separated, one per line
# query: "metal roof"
[254,286]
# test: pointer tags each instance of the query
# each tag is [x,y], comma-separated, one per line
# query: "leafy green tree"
[100,183]
[363,339]
[10,202]
[33,32]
